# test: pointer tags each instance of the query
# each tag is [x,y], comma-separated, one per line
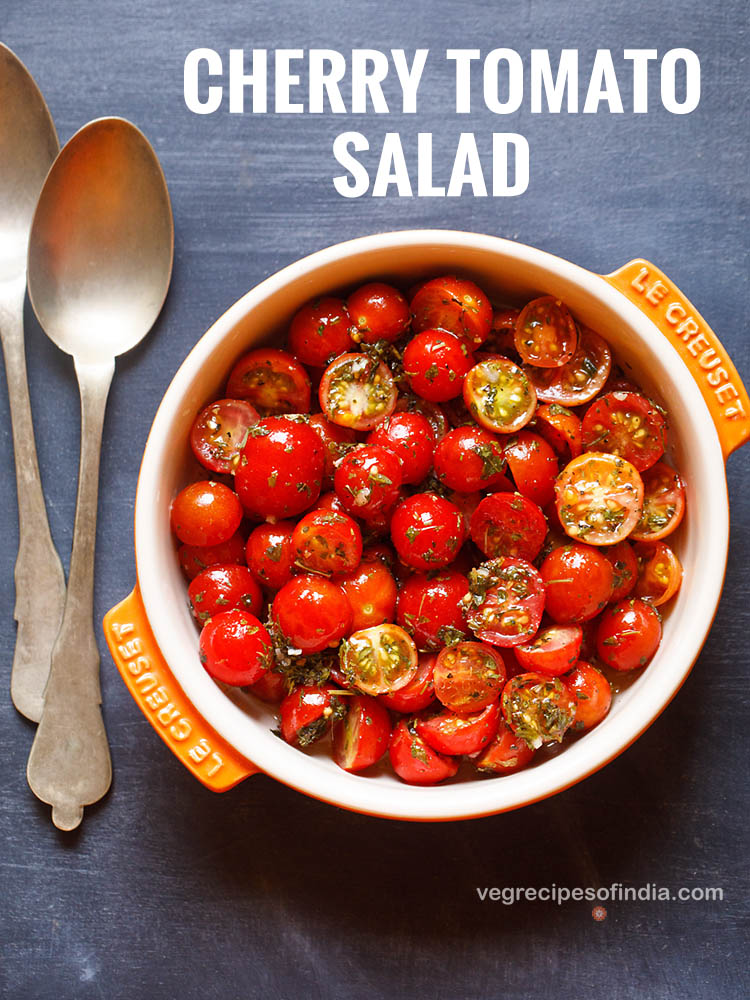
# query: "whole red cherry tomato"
[506,601]
[624,567]
[592,693]
[435,363]
[223,588]
[235,647]
[379,312]
[625,424]
[270,553]
[357,391]
[410,437]
[337,441]
[427,531]
[320,330]
[414,761]
[418,693]
[453,734]
[367,481]
[546,334]
[330,501]
[468,459]
[195,558]
[205,513]
[454,304]
[219,433]
[629,634]
[308,713]
[533,465]
[312,613]
[506,754]
[327,542]
[362,736]
[435,415]
[272,687]
[430,609]
[372,593]
[553,651]
[507,524]
[468,676]
[538,709]
[579,581]
[272,380]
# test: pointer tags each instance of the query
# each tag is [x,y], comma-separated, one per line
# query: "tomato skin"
[218,433]
[362,736]
[495,377]
[307,714]
[372,593]
[552,652]
[578,580]
[592,693]
[434,414]
[272,687]
[429,607]
[468,676]
[272,380]
[506,601]
[419,693]
[327,542]
[533,465]
[625,424]
[427,531]
[502,339]
[454,734]
[505,754]
[453,304]
[195,558]
[367,481]
[319,331]
[357,391]
[629,634]
[270,553]
[335,442]
[560,428]
[621,558]
[414,761]
[205,514]
[537,708]
[235,648]
[659,573]
[379,660]
[281,469]
[581,378]
[599,498]
[410,437]
[468,459]
[378,312]
[663,503]
[435,363]
[223,588]
[312,613]
[546,334]
[507,524]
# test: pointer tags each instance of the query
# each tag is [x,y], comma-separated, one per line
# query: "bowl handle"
[696,343]
[161,699]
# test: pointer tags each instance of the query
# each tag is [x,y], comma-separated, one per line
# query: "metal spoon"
[28,145]
[100,262]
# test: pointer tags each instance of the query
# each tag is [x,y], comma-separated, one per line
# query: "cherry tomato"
[625,568]
[379,312]
[337,441]
[415,762]
[629,634]
[235,647]
[223,588]
[357,391]
[533,465]
[367,480]
[579,581]
[457,411]
[330,501]
[663,503]
[592,693]
[435,363]
[578,380]
[506,754]
[272,380]
[429,608]
[599,498]
[270,553]
[361,738]
[538,709]
[418,693]
[372,593]
[327,542]
[659,573]
[379,660]
[453,304]
[467,503]
[307,714]
[499,395]
[553,651]
[506,601]
[205,513]
[468,676]
[502,338]
[468,459]
[320,330]
[507,524]
[427,531]
[435,415]
[272,687]
[625,424]
[219,433]
[195,558]
[410,437]
[546,334]
[560,428]
[453,734]
[281,468]
[312,613]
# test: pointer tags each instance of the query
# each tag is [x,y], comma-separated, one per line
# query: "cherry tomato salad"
[430,530]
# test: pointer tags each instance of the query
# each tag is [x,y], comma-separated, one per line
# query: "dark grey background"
[167,889]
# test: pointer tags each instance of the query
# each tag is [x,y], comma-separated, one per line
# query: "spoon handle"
[40,581]
[69,764]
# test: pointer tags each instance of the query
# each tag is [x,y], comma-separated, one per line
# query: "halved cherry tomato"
[379,660]
[223,588]
[592,693]
[435,362]
[553,651]
[270,553]
[581,378]
[453,734]
[506,601]
[539,709]
[599,498]
[625,568]
[195,558]
[379,312]
[502,338]
[546,334]
[357,391]
[235,647]
[560,427]
[410,437]
[367,481]
[281,468]
[663,503]
[327,542]
[312,613]
[415,762]
[506,754]
[499,395]
[468,459]
[205,513]
[453,304]
[468,676]
[533,465]
[429,608]
[418,693]
[507,524]
[625,424]
[308,713]
[372,593]
[272,380]
[361,738]
[629,634]
[427,531]
[337,441]
[659,573]
[320,330]
[219,433]
[409,403]
[579,580]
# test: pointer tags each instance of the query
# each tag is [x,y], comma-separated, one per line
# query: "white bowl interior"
[510,273]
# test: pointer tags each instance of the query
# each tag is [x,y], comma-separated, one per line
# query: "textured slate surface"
[261,892]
